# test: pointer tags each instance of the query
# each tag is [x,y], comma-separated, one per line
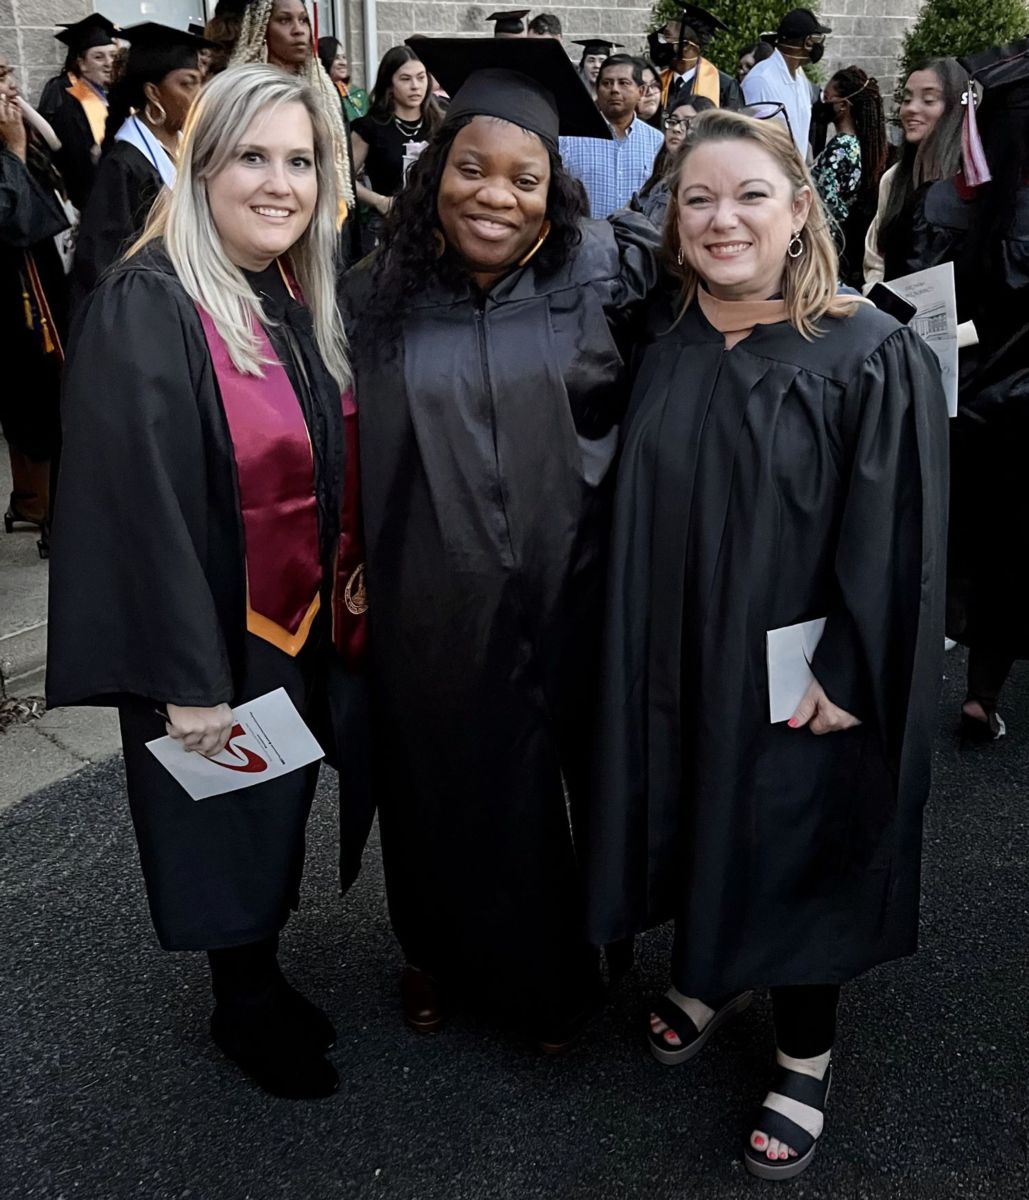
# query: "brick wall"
[27,38]
[868,33]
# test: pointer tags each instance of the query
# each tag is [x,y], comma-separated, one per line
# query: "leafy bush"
[953,28]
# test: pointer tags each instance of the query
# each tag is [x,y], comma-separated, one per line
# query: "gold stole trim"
[707,82]
[94,108]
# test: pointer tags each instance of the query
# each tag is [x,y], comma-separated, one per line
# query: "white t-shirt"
[771,80]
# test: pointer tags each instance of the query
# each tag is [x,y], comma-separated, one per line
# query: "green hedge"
[953,28]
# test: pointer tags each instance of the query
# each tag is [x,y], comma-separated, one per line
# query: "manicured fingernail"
[792,722]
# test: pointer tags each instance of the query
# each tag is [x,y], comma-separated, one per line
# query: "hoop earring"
[439,242]
[150,118]
[796,247]
[544,231]
[679,257]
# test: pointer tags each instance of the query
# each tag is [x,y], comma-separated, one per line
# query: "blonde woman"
[279,32]
[784,462]
[201,493]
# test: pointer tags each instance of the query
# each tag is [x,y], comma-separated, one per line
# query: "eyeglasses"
[678,122]
[651,87]
[768,110]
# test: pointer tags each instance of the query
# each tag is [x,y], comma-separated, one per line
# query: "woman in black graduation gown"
[78,109]
[33,310]
[984,230]
[784,460]
[199,514]
[148,109]
[489,387]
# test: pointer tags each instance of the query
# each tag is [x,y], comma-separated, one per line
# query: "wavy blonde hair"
[252,47]
[223,112]
[810,283]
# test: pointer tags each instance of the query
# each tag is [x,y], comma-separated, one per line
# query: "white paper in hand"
[268,739]
[790,651]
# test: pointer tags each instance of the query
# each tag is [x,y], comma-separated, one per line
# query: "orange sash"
[707,82]
[94,108]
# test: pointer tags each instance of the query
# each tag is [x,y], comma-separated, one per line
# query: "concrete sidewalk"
[37,753]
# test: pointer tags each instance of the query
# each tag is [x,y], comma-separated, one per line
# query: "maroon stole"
[275,466]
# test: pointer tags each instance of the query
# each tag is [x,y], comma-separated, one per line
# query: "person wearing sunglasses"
[652,199]
[799,40]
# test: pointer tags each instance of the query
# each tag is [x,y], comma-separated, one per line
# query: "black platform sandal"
[693,1039]
[801,1089]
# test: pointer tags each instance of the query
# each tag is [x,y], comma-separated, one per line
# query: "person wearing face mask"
[931,113]
[848,171]
[677,49]
[780,79]
[198,543]
[784,461]
[148,108]
[75,103]
[487,334]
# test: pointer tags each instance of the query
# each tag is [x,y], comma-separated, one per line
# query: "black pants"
[805,1018]
[988,671]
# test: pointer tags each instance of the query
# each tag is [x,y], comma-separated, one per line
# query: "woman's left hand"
[819,714]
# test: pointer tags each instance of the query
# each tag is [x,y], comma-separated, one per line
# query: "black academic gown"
[148,590]
[30,217]
[988,586]
[487,428]
[125,188]
[778,482]
[79,154]
[730,94]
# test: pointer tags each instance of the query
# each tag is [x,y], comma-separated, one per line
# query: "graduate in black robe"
[78,110]
[983,229]
[489,403]
[768,479]
[194,567]
[33,311]
[148,107]
[678,47]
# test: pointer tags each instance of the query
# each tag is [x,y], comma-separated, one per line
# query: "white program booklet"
[932,293]
[268,739]
[790,651]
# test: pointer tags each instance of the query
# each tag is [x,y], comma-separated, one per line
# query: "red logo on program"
[249,762]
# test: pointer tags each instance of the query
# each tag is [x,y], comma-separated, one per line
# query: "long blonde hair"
[252,47]
[810,282]
[223,112]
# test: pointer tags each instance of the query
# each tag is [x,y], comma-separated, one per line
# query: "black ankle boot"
[311,1026]
[259,1039]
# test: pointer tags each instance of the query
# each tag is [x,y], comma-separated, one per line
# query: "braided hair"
[861,91]
[252,47]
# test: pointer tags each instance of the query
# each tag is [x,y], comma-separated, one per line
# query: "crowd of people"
[501,414]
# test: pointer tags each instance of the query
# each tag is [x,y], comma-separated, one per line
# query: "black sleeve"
[131,607]
[27,213]
[115,215]
[892,543]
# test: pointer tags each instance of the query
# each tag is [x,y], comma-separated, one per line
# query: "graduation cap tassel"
[973,157]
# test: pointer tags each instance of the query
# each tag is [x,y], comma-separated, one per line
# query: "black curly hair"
[408,255]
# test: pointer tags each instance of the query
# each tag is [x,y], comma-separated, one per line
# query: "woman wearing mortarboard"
[678,48]
[594,52]
[34,224]
[148,108]
[490,387]
[77,109]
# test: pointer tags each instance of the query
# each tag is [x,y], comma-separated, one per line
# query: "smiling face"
[618,93]
[97,65]
[736,215]
[175,93]
[263,201]
[922,105]
[492,197]
[289,35]
[591,64]
[650,95]
[340,72]
[409,85]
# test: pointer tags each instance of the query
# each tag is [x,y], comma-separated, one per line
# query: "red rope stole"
[275,465]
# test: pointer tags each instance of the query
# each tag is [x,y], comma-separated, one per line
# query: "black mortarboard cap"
[196,29]
[80,36]
[1000,66]
[705,23]
[530,82]
[154,49]
[509,22]
[597,46]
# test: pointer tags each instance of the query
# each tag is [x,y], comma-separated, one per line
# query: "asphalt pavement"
[110,1089]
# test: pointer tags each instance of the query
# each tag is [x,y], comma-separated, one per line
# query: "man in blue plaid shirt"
[612,171]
